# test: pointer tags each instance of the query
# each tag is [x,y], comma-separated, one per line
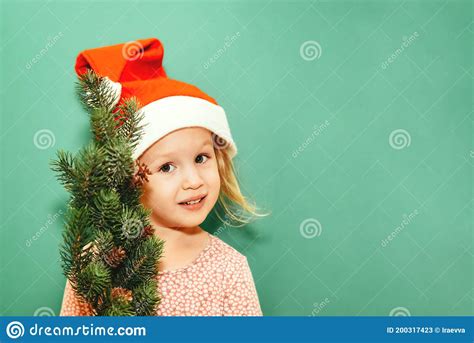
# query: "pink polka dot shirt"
[218,283]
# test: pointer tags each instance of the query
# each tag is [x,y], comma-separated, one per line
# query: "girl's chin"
[183,217]
[191,220]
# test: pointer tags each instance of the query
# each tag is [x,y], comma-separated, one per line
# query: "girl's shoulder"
[225,253]
[233,267]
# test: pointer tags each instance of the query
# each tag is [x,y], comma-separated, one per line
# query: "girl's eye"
[199,158]
[165,168]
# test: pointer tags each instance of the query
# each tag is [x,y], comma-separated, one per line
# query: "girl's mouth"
[194,205]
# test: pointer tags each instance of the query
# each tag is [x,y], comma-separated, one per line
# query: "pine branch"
[93,280]
[118,161]
[64,167]
[94,93]
[109,252]
[102,125]
[78,232]
[118,307]
[129,121]
[141,264]
[91,176]
[104,211]
[145,298]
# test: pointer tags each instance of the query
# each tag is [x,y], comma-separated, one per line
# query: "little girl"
[188,148]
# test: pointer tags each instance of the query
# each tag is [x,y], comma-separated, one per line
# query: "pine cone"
[141,174]
[115,257]
[119,292]
[148,231]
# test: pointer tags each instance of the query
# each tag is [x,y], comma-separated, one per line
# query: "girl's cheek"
[212,177]
[165,187]
[153,186]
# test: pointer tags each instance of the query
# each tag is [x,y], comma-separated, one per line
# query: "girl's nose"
[192,179]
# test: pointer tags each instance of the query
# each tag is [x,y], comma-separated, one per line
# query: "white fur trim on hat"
[168,114]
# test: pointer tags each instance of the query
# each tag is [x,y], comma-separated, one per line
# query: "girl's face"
[183,166]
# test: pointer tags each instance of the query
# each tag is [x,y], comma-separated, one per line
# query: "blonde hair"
[236,207]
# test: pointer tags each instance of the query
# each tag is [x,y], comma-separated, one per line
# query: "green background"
[350,178]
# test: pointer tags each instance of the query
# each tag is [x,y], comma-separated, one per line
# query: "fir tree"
[109,252]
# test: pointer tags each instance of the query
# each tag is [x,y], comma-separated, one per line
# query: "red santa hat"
[136,69]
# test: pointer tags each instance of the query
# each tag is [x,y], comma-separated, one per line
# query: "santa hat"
[136,69]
